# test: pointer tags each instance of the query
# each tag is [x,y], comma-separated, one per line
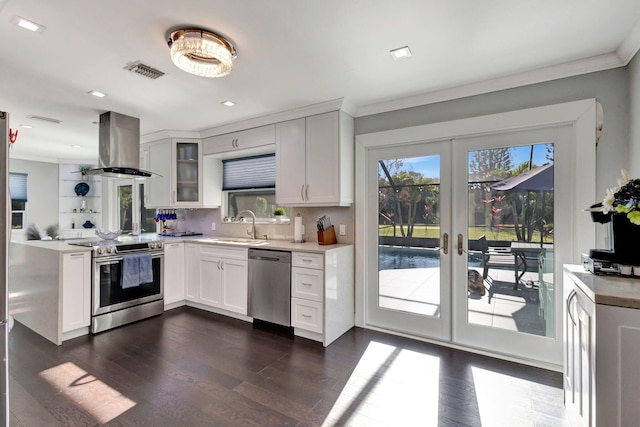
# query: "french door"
[130,214]
[440,210]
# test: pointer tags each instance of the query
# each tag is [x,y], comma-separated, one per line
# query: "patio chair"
[499,258]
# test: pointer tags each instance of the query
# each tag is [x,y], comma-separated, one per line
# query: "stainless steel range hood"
[119,147]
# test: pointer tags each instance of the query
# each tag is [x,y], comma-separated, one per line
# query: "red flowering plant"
[624,198]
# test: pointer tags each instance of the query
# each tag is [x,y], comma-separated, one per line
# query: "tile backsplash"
[199,220]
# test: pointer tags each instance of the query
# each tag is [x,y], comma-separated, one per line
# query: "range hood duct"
[119,147]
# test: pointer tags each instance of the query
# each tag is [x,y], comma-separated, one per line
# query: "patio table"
[524,253]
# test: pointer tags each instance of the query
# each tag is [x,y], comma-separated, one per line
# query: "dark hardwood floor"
[192,368]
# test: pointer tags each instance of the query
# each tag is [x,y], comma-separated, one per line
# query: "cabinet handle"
[572,295]
[302,192]
[174,197]
[307,260]
[221,265]
[460,248]
[306,315]
[77,254]
[306,193]
[306,284]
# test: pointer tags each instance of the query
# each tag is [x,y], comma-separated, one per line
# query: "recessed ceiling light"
[97,94]
[228,103]
[26,126]
[75,146]
[27,25]
[400,53]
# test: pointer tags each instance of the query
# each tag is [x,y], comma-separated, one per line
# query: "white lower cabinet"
[76,290]
[217,277]
[601,344]
[174,277]
[308,315]
[322,293]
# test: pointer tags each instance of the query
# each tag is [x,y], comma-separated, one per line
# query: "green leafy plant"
[279,211]
[624,198]
[83,169]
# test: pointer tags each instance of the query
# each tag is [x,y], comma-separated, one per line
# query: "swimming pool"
[397,257]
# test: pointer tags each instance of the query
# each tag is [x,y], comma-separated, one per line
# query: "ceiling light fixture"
[75,146]
[26,126]
[228,103]
[400,53]
[97,94]
[202,52]
[27,25]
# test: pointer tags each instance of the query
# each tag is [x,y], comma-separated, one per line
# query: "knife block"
[327,237]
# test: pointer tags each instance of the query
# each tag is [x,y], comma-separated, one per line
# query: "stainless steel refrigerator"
[5,230]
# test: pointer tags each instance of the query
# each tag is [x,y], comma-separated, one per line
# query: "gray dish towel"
[145,268]
[130,271]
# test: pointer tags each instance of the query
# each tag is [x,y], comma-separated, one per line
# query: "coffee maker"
[608,260]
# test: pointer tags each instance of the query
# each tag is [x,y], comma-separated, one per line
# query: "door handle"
[445,243]
[460,249]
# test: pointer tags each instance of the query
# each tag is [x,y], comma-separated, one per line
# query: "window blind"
[249,172]
[18,186]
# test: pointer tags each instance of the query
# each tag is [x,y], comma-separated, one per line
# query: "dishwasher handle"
[265,258]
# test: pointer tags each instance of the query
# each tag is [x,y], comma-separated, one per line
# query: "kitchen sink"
[236,241]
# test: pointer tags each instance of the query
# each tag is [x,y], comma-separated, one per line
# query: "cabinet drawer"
[224,251]
[307,260]
[307,283]
[306,315]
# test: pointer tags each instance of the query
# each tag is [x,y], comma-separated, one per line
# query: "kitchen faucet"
[251,233]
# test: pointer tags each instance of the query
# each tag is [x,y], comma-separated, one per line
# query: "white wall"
[633,160]
[610,88]
[42,192]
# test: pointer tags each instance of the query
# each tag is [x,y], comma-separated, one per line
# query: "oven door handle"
[118,258]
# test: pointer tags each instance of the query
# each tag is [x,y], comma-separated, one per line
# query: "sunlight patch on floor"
[500,399]
[389,386]
[90,394]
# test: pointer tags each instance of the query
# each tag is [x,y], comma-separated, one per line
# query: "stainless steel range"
[127,281]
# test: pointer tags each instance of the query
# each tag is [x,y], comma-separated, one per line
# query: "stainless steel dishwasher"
[270,286]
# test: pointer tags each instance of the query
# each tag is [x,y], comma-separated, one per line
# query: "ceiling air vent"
[144,70]
[44,119]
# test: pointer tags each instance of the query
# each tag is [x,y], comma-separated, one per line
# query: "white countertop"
[285,245]
[608,290]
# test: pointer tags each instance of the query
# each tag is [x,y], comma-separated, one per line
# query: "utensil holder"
[327,237]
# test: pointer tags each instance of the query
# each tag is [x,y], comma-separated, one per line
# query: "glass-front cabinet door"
[187,181]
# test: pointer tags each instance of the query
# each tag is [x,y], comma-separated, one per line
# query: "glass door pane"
[147,216]
[125,207]
[187,172]
[409,235]
[510,237]
[409,272]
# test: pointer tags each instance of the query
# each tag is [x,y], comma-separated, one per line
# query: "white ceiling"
[291,53]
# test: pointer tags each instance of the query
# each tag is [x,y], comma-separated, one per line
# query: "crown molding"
[630,45]
[164,134]
[282,116]
[568,69]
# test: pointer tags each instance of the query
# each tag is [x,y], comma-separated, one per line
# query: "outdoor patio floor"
[416,290]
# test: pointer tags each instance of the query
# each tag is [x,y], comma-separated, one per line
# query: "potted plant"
[83,170]
[279,213]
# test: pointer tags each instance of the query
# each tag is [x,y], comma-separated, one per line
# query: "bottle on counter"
[73,223]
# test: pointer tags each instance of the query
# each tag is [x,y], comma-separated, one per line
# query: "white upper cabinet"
[314,157]
[157,189]
[250,138]
[179,162]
